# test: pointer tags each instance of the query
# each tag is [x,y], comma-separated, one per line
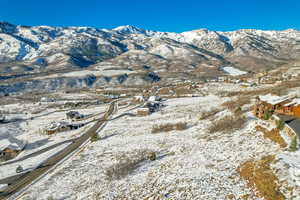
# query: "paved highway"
[27,178]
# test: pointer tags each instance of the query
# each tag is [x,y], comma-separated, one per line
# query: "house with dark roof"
[292,124]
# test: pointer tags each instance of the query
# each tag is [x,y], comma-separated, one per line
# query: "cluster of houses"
[151,105]
[246,80]
[61,126]
[55,127]
[250,80]
[11,147]
[276,77]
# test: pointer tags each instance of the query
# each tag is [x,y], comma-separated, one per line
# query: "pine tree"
[19,169]
[294,144]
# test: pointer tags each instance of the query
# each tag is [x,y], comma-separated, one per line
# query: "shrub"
[94,137]
[230,105]
[207,114]
[294,144]
[182,91]
[152,156]
[238,109]
[19,169]
[280,124]
[267,115]
[273,135]
[181,126]
[162,128]
[169,127]
[227,124]
[260,177]
[228,94]
[126,163]
[238,112]
[236,103]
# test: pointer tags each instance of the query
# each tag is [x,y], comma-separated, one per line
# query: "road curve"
[31,176]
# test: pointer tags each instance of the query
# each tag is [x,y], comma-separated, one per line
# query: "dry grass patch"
[280,90]
[237,103]
[181,91]
[208,114]
[260,177]
[165,91]
[127,162]
[227,124]
[273,135]
[228,94]
[169,127]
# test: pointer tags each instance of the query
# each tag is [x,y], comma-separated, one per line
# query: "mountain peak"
[128,29]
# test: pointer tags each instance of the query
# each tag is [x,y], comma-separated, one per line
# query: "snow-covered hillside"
[189,164]
[27,53]
[84,46]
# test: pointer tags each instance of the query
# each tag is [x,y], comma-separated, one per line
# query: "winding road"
[19,183]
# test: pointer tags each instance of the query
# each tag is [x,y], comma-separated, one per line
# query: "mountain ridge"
[45,49]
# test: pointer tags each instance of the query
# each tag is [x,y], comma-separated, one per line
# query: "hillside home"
[269,103]
[10,148]
[286,105]
[222,78]
[269,79]
[153,106]
[62,126]
[292,108]
[74,115]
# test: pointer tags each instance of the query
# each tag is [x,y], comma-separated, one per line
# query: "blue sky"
[162,15]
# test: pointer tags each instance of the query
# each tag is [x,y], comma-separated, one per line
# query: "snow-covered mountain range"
[44,49]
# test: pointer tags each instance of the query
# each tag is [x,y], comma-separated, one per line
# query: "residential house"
[74,115]
[10,148]
[292,108]
[55,127]
[270,103]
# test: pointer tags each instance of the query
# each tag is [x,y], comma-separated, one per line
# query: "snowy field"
[233,71]
[31,131]
[89,72]
[190,164]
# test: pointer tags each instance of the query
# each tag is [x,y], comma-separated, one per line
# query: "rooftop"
[294,102]
[12,143]
[273,99]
